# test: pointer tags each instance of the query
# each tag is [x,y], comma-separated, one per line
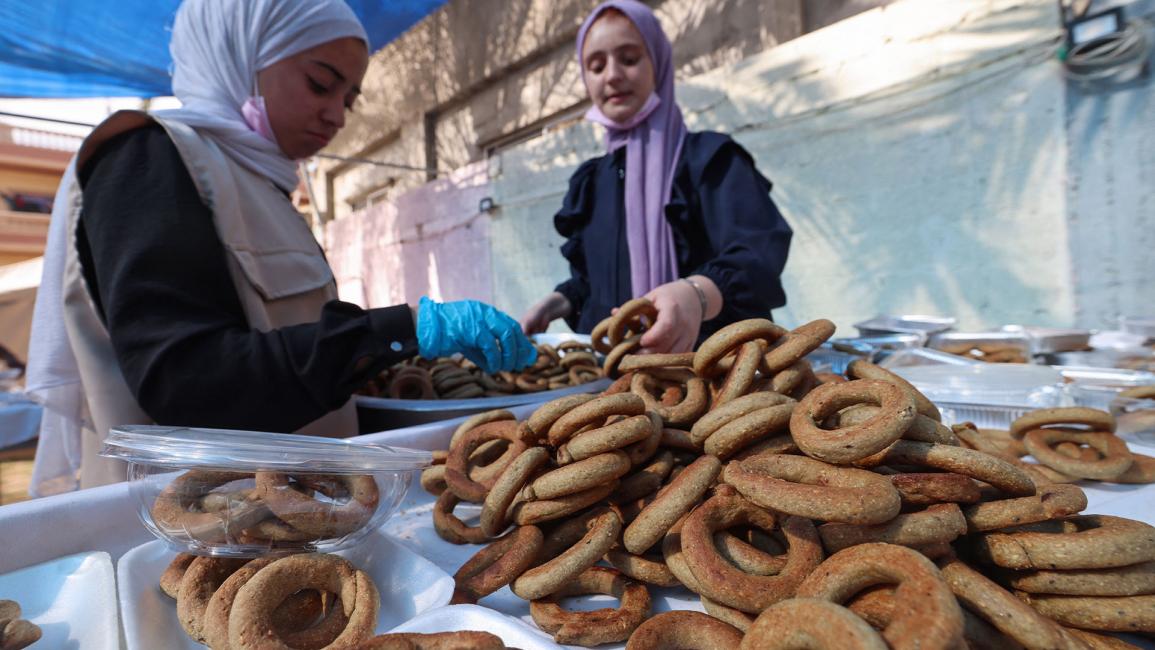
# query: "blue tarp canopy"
[103,48]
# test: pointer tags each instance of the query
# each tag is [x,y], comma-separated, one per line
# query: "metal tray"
[1141,325]
[1116,377]
[924,357]
[1134,358]
[905,324]
[947,341]
[383,413]
[1099,387]
[1047,340]
[828,360]
[890,342]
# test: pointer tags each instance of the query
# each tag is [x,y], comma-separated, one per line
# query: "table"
[105,519]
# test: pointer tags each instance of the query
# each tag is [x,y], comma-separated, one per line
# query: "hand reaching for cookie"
[682,307]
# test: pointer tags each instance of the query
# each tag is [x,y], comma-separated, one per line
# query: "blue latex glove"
[481,332]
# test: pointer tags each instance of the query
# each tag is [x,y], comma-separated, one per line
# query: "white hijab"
[218,46]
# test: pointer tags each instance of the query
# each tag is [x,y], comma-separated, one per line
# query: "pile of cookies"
[15,632]
[827,511]
[570,363]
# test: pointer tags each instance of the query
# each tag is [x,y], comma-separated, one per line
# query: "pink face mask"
[257,118]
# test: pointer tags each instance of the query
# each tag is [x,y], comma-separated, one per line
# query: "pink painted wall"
[429,241]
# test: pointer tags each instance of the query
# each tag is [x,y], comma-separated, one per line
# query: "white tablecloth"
[105,518]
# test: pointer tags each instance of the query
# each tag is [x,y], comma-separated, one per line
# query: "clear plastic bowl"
[248,494]
[1140,325]
[1093,395]
[1005,384]
[1135,418]
[1130,358]
[983,416]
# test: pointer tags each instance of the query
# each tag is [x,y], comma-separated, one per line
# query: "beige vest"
[278,270]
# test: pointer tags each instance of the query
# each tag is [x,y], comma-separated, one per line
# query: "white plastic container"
[1049,340]
[1006,384]
[1139,325]
[247,494]
[983,416]
[72,599]
[408,585]
[1135,418]
[514,632]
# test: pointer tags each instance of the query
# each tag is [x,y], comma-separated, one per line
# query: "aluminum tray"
[1046,340]
[383,413]
[881,346]
[1141,325]
[1117,377]
[904,324]
[828,360]
[1134,358]
[1013,340]
[890,342]
[924,357]
[1099,387]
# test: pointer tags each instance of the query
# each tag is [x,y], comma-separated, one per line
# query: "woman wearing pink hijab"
[684,219]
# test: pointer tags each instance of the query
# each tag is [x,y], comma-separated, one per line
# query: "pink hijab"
[653,139]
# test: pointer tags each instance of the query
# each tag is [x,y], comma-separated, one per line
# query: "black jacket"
[155,267]
[725,227]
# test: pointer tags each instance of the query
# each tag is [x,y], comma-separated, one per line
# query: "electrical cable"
[1110,56]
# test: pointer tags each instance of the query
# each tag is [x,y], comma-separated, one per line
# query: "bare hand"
[543,312]
[679,318]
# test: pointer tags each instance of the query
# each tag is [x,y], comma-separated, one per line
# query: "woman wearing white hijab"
[182,287]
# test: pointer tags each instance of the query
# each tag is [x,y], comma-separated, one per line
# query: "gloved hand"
[481,332]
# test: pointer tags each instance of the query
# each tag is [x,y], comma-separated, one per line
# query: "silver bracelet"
[701,294]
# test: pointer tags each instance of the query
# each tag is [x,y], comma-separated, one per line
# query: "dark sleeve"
[156,268]
[570,223]
[745,227]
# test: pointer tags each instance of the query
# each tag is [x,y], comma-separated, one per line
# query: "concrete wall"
[1111,195]
[431,241]
[477,73]
[930,159]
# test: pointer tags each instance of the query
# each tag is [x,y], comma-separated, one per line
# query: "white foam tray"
[72,599]
[412,525]
[455,618]
[408,583]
